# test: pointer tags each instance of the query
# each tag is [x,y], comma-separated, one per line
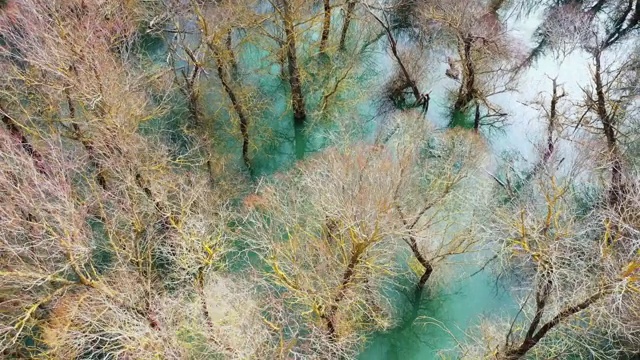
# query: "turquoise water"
[442,318]
[427,326]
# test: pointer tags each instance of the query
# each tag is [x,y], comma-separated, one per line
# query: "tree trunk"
[551,126]
[394,49]
[530,341]
[91,151]
[347,21]
[203,298]
[232,55]
[607,119]
[624,24]
[405,72]
[428,268]
[347,276]
[297,98]
[553,113]
[235,102]
[191,90]
[17,133]
[467,85]
[425,103]
[193,106]
[476,121]
[88,146]
[326,27]
[413,245]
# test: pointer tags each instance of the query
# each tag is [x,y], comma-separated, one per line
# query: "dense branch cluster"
[253,179]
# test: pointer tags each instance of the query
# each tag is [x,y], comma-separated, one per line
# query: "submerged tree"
[120,221]
[435,178]
[572,268]
[616,20]
[326,26]
[484,54]
[105,236]
[287,13]
[609,101]
[216,24]
[348,17]
[405,79]
[330,252]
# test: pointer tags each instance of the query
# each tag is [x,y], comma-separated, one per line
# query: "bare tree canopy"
[319,179]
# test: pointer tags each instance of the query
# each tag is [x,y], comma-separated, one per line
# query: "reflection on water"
[431,328]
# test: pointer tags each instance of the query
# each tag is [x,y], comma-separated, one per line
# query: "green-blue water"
[428,329]
[442,318]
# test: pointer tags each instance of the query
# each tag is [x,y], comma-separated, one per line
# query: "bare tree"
[348,16]
[448,172]
[216,24]
[616,19]
[409,81]
[331,250]
[88,262]
[570,275]
[484,55]
[326,25]
[332,259]
[286,12]
[608,101]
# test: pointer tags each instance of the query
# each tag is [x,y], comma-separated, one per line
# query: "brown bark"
[467,85]
[405,72]
[551,118]
[235,102]
[17,133]
[394,50]
[232,54]
[428,268]
[334,90]
[326,26]
[203,298]
[601,109]
[533,338]
[609,128]
[476,121]
[86,143]
[91,151]
[413,245]
[624,24]
[347,276]
[297,98]
[347,21]
[425,103]
[191,91]
[541,302]
[223,75]
[553,114]
[163,212]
